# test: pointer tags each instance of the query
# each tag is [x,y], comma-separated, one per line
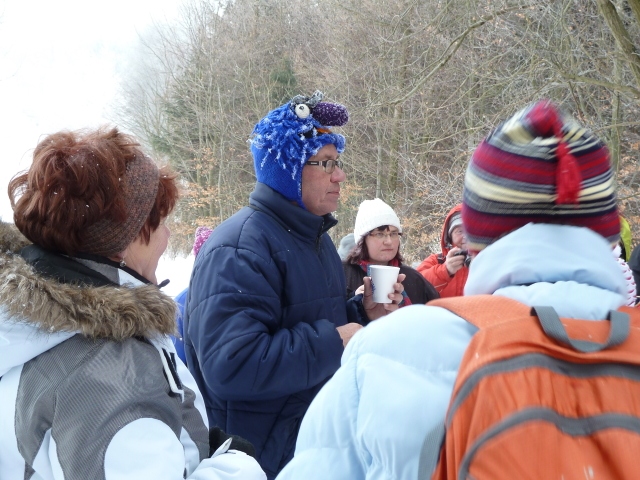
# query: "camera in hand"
[465,254]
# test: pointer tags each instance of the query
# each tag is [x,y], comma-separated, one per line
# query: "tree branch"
[635,8]
[452,49]
[600,83]
[620,33]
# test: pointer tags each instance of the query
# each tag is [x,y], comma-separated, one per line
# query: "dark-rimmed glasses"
[328,165]
[383,235]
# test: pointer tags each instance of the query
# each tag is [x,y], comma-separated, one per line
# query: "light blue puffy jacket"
[370,420]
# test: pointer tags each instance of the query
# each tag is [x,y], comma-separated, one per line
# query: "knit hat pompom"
[544,121]
[202,233]
[539,166]
[373,214]
[332,114]
[289,135]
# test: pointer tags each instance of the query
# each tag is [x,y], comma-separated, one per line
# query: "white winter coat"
[90,387]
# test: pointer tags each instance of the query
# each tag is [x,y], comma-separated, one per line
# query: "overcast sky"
[60,65]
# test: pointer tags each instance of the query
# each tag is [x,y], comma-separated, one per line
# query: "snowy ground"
[178,270]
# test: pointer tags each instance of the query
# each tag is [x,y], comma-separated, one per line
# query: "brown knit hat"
[107,237]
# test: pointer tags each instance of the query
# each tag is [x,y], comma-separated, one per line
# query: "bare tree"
[424,81]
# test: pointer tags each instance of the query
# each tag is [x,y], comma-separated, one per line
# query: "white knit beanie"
[373,214]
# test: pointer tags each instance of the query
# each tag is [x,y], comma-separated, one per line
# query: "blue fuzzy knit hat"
[288,136]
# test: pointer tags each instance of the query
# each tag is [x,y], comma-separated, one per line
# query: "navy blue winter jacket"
[266,295]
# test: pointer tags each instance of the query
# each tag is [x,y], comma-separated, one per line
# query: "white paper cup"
[382,279]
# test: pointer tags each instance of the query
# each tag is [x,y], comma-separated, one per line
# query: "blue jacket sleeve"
[245,348]
[355,311]
[178,341]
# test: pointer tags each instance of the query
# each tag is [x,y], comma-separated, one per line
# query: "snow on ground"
[178,270]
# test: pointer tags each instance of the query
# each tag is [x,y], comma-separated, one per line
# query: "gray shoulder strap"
[430,452]
[553,327]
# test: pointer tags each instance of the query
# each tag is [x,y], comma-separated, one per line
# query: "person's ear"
[120,257]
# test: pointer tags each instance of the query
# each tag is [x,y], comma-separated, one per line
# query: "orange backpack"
[538,397]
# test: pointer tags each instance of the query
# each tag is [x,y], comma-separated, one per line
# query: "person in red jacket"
[448,271]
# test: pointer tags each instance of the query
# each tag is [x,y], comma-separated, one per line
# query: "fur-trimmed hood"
[35,304]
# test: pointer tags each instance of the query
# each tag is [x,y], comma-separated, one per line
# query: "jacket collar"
[569,268]
[292,217]
[58,294]
[83,269]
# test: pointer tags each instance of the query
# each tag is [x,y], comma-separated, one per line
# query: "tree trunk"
[620,33]
[616,115]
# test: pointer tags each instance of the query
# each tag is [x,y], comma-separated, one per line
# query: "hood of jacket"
[446,246]
[38,312]
[568,268]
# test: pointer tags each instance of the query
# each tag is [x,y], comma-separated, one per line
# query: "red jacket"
[434,270]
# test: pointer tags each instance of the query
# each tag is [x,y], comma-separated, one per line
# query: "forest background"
[424,82]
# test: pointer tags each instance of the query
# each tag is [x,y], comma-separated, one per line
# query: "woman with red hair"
[89,382]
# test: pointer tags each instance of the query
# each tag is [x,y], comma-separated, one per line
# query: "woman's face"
[459,237]
[382,245]
[144,258]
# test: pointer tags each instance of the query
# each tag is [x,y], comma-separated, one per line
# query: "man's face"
[321,190]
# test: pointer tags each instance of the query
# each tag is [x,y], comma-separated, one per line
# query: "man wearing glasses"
[266,318]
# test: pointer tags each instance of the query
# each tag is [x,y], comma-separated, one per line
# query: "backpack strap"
[481,311]
[553,327]
[430,451]
[487,310]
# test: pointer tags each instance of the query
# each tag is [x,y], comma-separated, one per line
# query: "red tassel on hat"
[543,119]
[568,178]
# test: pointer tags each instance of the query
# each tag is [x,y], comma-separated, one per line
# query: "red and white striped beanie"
[539,166]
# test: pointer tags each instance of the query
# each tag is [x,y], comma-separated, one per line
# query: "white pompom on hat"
[373,214]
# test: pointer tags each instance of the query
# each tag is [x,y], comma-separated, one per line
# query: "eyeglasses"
[383,235]
[328,165]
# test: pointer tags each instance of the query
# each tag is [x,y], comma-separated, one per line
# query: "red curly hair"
[75,181]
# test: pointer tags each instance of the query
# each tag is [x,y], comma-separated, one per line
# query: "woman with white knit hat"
[377,235]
